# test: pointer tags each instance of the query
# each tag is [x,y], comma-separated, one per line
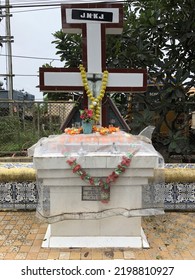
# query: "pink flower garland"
[105,185]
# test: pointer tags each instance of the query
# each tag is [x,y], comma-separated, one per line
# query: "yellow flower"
[95,101]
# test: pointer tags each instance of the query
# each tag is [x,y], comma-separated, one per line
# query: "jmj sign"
[92,15]
[93,21]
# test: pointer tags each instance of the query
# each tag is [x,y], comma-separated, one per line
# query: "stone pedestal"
[76,216]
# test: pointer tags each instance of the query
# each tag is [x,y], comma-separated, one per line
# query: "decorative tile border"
[18,195]
[16,165]
[179,165]
[24,195]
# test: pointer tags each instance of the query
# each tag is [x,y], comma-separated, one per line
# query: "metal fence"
[23,123]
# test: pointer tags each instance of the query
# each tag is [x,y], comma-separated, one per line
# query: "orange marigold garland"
[98,182]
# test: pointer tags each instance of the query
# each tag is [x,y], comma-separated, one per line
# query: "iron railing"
[22,124]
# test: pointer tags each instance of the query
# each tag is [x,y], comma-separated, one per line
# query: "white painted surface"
[69,200]
[62,173]
[70,79]
[67,79]
[94,242]
[125,80]
[94,48]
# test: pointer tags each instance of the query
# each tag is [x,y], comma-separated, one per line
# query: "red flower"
[126,161]
[115,176]
[86,114]
[71,161]
[91,181]
[83,175]
[76,168]
[90,113]
[111,178]
[122,169]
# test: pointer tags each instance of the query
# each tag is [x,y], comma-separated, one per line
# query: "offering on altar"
[95,129]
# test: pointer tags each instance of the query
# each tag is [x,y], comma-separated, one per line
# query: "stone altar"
[72,207]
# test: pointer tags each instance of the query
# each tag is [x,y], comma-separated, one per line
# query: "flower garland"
[104,185]
[95,106]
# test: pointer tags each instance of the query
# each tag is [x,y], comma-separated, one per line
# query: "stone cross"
[94,21]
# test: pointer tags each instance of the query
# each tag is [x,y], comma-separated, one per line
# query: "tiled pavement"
[171,237]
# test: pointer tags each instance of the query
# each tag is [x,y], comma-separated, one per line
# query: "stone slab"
[94,241]
[69,200]
[59,173]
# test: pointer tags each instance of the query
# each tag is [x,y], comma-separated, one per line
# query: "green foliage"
[12,135]
[141,120]
[69,48]
[18,135]
[8,127]
[177,143]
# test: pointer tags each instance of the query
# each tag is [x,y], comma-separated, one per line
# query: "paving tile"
[27,242]
[139,254]
[25,248]
[108,254]
[21,256]
[54,255]
[192,252]
[75,255]
[34,249]
[42,256]
[175,255]
[118,254]
[97,254]
[13,249]
[37,242]
[163,255]
[64,256]
[10,256]
[129,255]
[2,255]
[32,256]
[3,237]
[186,255]
[31,236]
[40,236]
[147,255]
[86,254]
[4,249]
[171,236]
[42,230]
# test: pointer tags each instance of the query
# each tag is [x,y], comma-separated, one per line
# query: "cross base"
[94,241]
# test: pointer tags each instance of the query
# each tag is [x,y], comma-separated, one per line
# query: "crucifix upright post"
[94,21]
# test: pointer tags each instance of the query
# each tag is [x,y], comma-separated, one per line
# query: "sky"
[32,29]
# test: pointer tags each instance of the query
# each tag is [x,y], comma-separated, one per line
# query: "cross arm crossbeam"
[69,79]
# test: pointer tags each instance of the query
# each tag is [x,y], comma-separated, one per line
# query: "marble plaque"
[91,193]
